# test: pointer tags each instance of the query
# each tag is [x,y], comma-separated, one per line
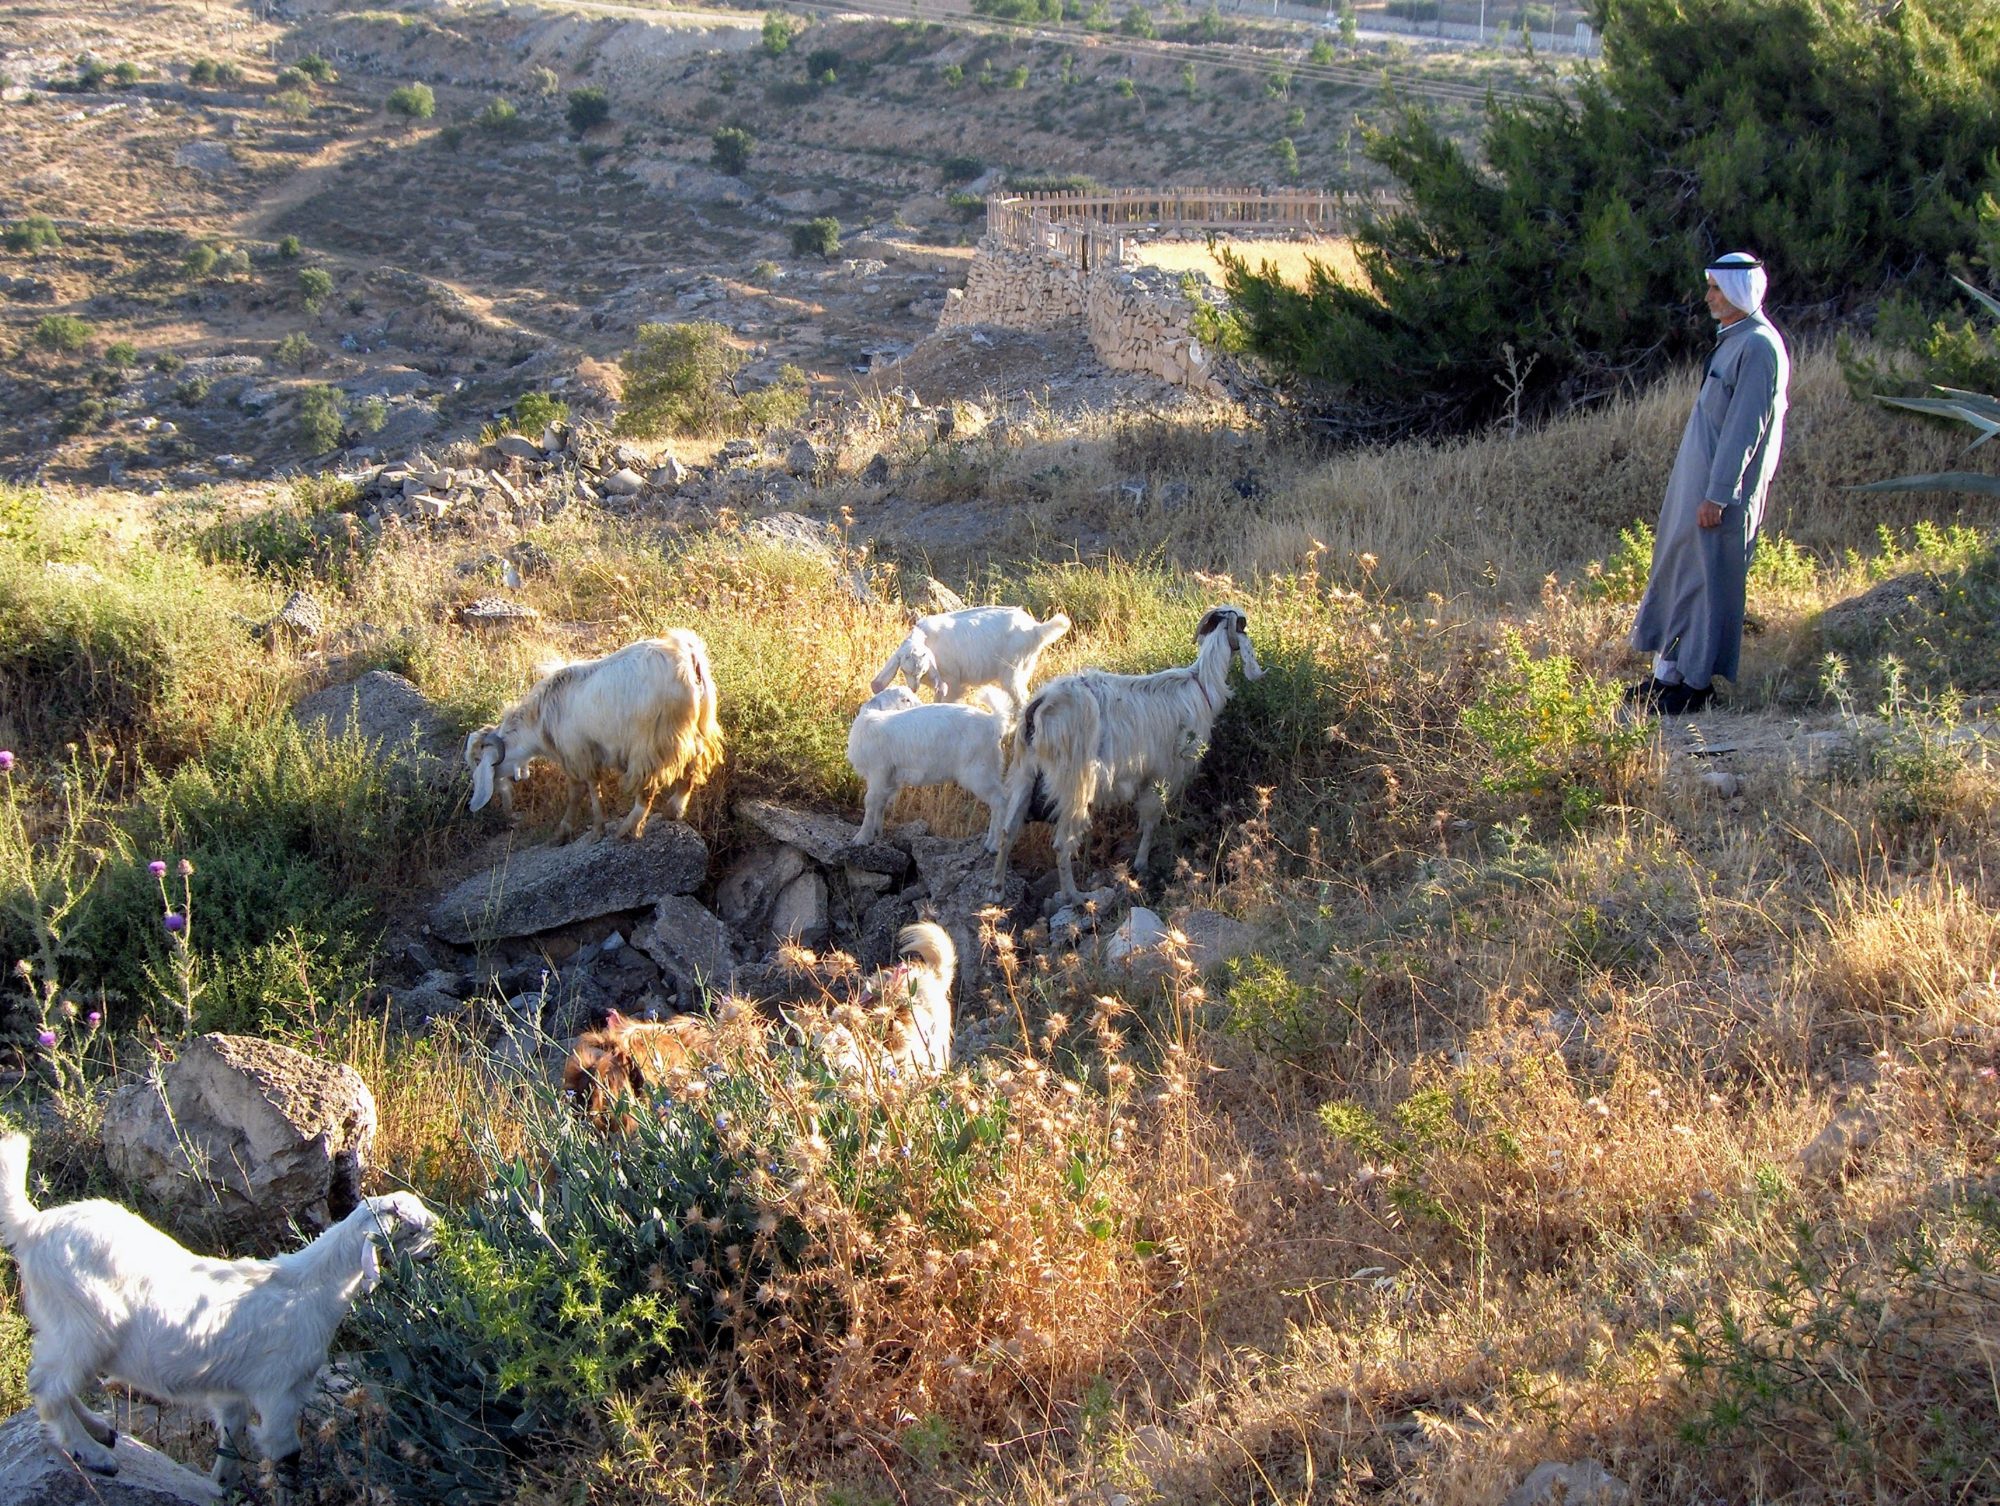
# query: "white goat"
[111,1296]
[1095,737]
[646,711]
[956,651]
[898,741]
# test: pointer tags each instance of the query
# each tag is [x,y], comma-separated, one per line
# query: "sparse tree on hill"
[589,108]
[730,149]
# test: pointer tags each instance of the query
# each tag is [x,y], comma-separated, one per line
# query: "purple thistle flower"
[175,922]
[6,760]
[93,1019]
[157,868]
[47,1038]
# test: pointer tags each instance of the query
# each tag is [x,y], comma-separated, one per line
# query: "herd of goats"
[111,1297]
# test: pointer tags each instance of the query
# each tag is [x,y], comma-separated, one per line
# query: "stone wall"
[1136,318]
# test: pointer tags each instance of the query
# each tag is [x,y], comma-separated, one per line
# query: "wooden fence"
[1091,229]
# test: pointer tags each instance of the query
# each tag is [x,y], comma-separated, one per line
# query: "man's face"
[1724,311]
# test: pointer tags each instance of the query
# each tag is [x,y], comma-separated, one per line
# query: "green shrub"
[535,411]
[121,354]
[1559,244]
[952,74]
[1017,76]
[678,380]
[200,261]
[370,414]
[315,287]
[321,409]
[412,102]
[317,68]
[823,64]
[817,237]
[1020,10]
[765,274]
[1138,22]
[37,232]
[730,148]
[546,81]
[962,169]
[290,78]
[289,248]
[777,34]
[297,351]
[65,333]
[1287,154]
[588,108]
[500,116]
[293,104]
[1125,88]
[1321,53]
[1550,728]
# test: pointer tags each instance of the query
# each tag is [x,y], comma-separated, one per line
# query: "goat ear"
[482,776]
[371,1265]
[1212,619]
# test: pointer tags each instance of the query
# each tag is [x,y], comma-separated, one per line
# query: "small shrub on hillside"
[1017,76]
[1550,728]
[1286,153]
[36,233]
[817,237]
[952,75]
[1125,89]
[317,68]
[296,351]
[730,149]
[321,410]
[232,263]
[293,104]
[679,379]
[765,274]
[1321,53]
[289,248]
[500,116]
[121,354]
[370,414]
[778,34]
[290,78]
[315,287]
[546,82]
[411,101]
[1138,22]
[588,108]
[823,65]
[200,261]
[84,416]
[64,333]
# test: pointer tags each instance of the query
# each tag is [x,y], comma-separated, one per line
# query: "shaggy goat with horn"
[1094,738]
[646,712]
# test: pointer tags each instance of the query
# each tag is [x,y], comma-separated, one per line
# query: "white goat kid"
[110,1296]
[955,652]
[646,712]
[898,741]
[1094,738]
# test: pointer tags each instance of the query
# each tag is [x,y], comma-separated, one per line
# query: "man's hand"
[1709,515]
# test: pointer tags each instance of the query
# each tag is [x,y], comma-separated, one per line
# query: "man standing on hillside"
[1691,619]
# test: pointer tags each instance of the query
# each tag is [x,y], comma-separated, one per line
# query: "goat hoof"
[107,1468]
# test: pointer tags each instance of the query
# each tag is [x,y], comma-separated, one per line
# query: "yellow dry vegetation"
[1293,259]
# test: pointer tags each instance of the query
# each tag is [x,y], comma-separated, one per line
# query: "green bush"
[588,108]
[412,102]
[321,410]
[730,148]
[370,414]
[678,380]
[817,237]
[1125,88]
[293,104]
[1550,728]
[823,64]
[199,263]
[1286,153]
[777,34]
[316,68]
[289,248]
[1017,76]
[547,82]
[208,72]
[37,232]
[121,354]
[296,350]
[1027,11]
[1552,235]
[952,75]
[535,411]
[64,333]
[499,117]
[1138,22]
[962,169]
[315,287]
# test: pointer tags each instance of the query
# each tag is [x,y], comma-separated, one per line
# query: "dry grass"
[1292,260]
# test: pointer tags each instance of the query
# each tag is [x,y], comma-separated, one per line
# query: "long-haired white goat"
[898,741]
[954,652]
[1093,737]
[646,711]
[110,1296]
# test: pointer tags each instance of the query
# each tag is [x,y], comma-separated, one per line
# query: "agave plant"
[1979,409]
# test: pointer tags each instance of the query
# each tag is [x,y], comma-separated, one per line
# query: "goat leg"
[99,1427]
[232,1441]
[53,1382]
[1150,807]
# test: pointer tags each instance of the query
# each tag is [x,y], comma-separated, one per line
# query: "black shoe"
[1645,696]
[1685,700]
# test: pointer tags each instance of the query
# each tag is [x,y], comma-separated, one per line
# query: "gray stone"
[385,711]
[1722,784]
[876,472]
[1212,937]
[936,596]
[803,458]
[623,482]
[823,838]
[1135,944]
[34,1472]
[957,880]
[669,473]
[519,447]
[792,530]
[1846,1135]
[1584,1483]
[691,946]
[744,894]
[799,912]
[262,1136]
[496,614]
[540,888]
[300,620]
[1858,621]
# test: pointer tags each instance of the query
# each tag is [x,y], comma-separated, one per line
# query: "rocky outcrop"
[34,1472]
[387,713]
[245,1138]
[540,888]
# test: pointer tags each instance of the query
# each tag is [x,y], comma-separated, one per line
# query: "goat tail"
[683,746]
[18,1216]
[1060,737]
[1056,627]
[931,944]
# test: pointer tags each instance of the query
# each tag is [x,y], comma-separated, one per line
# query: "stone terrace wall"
[1135,318]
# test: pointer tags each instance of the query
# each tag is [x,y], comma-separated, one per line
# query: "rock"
[744,895]
[496,614]
[739,449]
[540,888]
[876,472]
[798,911]
[34,1472]
[271,1137]
[1722,784]
[1585,1483]
[803,459]
[1212,937]
[795,531]
[518,447]
[691,946]
[623,482]
[1860,620]
[669,473]
[1845,1136]
[957,880]
[386,712]
[825,839]
[936,596]
[300,620]
[1136,942]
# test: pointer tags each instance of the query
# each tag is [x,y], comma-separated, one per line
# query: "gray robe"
[1693,609]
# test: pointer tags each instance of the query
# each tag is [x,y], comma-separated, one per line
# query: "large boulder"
[540,888]
[34,1472]
[691,946]
[385,711]
[265,1137]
